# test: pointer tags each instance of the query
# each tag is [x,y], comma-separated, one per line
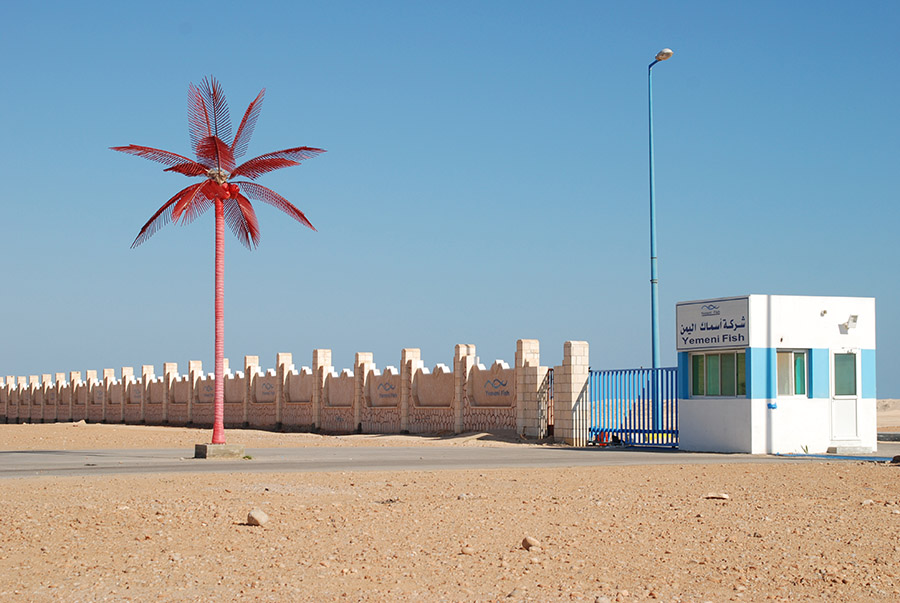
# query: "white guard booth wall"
[777,374]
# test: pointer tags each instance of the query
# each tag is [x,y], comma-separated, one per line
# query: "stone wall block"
[284,363]
[363,363]
[463,360]
[170,373]
[251,369]
[410,363]
[321,368]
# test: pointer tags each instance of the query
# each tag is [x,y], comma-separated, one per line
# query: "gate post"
[529,376]
[571,406]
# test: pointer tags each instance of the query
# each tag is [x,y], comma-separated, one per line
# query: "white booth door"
[845,395]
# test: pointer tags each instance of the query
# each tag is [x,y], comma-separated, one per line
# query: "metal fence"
[634,407]
[545,406]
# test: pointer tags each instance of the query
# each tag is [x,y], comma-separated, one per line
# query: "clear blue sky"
[486,174]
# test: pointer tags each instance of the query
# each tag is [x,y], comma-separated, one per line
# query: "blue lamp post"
[662,55]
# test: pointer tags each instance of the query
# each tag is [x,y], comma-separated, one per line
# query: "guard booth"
[777,374]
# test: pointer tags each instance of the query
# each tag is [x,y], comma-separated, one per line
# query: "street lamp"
[662,55]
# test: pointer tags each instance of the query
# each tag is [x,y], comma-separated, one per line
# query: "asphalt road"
[109,462]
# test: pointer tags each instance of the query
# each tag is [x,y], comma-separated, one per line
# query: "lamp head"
[665,53]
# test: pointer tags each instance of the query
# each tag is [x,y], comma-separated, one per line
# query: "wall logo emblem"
[385,390]
[496,387]
[709,310]
[207,393]
[266,392]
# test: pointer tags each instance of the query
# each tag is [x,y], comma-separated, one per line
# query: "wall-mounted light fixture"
[851,322]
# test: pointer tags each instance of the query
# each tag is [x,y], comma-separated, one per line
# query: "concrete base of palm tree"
[218,451]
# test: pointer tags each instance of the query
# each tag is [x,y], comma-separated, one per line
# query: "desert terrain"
[794,531]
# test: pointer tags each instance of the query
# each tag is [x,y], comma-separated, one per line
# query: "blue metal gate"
[634,407]
[545,406]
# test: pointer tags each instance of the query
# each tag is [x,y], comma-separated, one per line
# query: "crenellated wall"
[409,399]
[298,389]
[430,394]
[380,399]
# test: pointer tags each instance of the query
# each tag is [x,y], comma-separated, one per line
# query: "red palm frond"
[241,219]
[198,117]
[255,168]
[195,209]
[216,153]
[158,155]
[214,98]
[258,166]
[267,195]
[164,214]
[189,169]
[245,130]
[195,202]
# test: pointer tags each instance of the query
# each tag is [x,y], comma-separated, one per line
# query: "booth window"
[718,374]
[845,374]
[791,368]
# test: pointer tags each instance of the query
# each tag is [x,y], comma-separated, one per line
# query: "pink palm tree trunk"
[219,406]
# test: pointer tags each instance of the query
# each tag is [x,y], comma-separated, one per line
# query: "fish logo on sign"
[709,310]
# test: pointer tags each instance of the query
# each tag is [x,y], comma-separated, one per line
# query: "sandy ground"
[816,531]
[93,436]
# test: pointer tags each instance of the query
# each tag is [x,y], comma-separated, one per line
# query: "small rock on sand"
[257,517]
[530,542]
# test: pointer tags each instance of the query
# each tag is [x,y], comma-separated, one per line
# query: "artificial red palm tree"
[210,128]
